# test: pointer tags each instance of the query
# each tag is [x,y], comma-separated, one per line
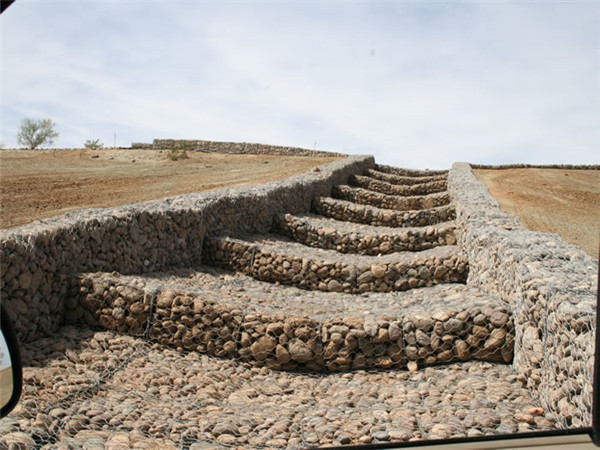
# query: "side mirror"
[11,371]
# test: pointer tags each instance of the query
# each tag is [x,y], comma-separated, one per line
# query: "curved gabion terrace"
[400,311]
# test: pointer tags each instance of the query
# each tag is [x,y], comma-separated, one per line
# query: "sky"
[417,84]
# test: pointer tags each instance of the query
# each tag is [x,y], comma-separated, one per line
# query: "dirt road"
[41,184]
[566,202]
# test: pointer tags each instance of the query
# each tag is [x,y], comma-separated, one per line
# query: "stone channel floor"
[100,389]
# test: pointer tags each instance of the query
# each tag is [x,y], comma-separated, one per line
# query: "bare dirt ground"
[566,202]
[41,184]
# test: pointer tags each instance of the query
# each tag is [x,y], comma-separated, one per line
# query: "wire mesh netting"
[356,326]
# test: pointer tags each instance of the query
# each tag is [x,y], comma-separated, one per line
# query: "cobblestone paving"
[90,389]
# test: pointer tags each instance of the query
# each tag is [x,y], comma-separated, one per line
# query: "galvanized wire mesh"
[299,348]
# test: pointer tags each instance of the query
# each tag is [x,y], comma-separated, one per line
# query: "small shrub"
[93,145]
[177,154]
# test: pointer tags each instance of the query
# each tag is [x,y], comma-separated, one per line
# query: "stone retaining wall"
[385,187]
[370,215]
[38,261]
[403,180]
[551,288]
[219,327]
[549,285]
[409,172]
[367,197]
[364,274]
[538,166]
[229,147]
[373,242]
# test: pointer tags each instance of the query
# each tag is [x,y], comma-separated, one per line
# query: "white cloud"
[416,85]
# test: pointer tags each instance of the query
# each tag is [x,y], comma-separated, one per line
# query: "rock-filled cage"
[357,303]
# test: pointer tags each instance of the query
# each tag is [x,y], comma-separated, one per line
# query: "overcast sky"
[417,84]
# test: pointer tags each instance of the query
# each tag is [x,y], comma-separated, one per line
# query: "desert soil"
[41,184]
[566,202]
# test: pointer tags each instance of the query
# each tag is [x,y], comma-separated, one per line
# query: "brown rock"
[385,247]
[334,286]
[165,299]
[499,319]
[359,362]
[439,272]
[378,270]
[330,350]
[445,356]
[412,366]
[383,362]
[229,347]
[496,339]
[461,348]
[198,306]
[394,331]
[136,308]
[382,336]
[17,440]
[25,280]
[263,347]
[275,328]
[480,332]
[423,339]
[453,326]
[299,351]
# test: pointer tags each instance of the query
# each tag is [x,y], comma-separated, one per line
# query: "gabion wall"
[38,262]
[441,331]
[241,148]
[551,288]
[548,285]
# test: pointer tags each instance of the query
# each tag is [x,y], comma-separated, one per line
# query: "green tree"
[34,133]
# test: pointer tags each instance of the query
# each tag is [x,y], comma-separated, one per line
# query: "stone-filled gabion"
[334,235]
[366,197]
[568,366]
[540,313]
[39,261]
[409,172]
[230,327]
[306,269]
[550,287]
[110,305]
[191,322]
[370,215]
[238,148]
[387,188]
[404,180]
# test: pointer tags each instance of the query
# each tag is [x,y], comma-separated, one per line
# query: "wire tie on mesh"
[155,293]
[252,259]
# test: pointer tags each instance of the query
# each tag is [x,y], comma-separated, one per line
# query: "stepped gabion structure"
[355,304]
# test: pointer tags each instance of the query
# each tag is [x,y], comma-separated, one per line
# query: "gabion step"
[385,187]
[286,262]
[352,212]
[345,237]
[409,172]
[403,180]
[285,328]
[366,197]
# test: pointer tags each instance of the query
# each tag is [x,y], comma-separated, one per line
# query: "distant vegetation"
[93,145]
[35,133]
